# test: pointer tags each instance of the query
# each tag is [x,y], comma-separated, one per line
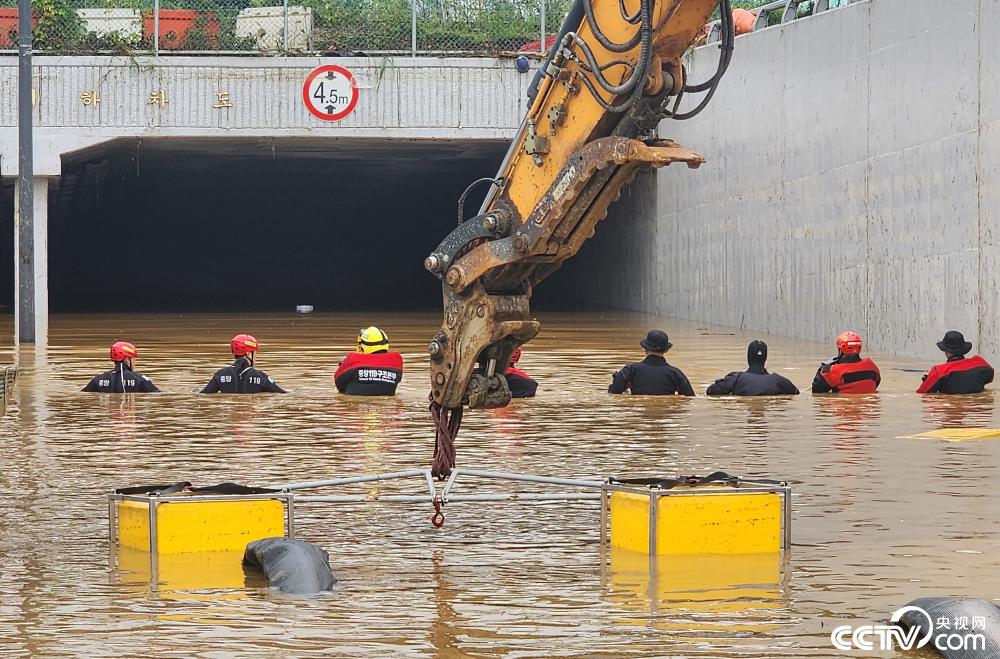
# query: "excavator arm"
[612,76]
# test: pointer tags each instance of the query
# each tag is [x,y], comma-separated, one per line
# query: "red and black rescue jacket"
[847,374]
[521,384]
[958,375]
[369,375]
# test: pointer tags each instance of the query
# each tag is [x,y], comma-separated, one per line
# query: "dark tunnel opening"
[264,225]
[257,226]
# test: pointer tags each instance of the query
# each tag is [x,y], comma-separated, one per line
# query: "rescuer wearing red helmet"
[959,374]
[848,372]
[242,377]
[121,379]
[371,371]
[521,384]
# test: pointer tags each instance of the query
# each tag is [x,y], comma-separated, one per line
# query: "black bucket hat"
[656,341]
[954,343]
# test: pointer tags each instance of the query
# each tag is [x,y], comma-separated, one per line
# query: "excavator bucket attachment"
[488,284]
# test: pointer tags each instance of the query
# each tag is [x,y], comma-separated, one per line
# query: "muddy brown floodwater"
[878,520]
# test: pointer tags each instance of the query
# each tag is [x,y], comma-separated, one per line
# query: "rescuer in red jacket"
[848,372]
[372,370]
[960,374]
[521,384]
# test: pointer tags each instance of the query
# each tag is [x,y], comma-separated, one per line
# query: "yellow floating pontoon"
[177,521]
[717,514]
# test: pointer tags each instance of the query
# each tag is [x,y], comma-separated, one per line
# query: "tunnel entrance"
[257,225]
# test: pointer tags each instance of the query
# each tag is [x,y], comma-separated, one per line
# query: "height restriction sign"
[330,92]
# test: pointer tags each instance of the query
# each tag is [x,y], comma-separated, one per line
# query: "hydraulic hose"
[636,81]
[725,57]
[602,38]
[728,42]
[628,18]
[595,68]
[461,200]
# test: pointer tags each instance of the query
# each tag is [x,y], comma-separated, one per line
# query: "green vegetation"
[57,25]
[373,25]
[476,26]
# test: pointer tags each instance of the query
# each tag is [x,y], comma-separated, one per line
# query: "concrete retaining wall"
[851,182]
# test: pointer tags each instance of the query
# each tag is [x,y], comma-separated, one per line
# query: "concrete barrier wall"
[851,182]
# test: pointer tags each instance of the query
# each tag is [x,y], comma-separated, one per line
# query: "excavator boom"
[613,74]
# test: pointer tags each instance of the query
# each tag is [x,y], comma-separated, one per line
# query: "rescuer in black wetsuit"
[653,376]
[959,374]
[521,384]
[121,379]
[755,381]
[242,377]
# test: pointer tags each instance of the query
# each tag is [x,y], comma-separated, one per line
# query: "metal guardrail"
[287,492]
[277,26]
[447,495]
[781,11]
[7,377]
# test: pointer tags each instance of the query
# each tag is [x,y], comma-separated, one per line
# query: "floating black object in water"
[977,617]
[291,566]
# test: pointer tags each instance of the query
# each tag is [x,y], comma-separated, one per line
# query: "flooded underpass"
[877,519]
[252,224]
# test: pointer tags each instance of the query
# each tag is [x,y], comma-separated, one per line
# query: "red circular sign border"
[354,96]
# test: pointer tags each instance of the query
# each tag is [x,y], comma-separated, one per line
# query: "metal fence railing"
[773,12]
[343,27]
[7,376]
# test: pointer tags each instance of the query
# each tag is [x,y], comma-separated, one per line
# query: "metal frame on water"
[789,12]
[287,493]
[742,486]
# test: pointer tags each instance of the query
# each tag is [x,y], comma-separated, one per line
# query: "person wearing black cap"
[755,381]
[960,374]
[653,376]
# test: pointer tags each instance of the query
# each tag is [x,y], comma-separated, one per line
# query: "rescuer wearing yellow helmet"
[371,371]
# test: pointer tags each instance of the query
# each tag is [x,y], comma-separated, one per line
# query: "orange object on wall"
[185,29]
[744,20]
[8,27]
